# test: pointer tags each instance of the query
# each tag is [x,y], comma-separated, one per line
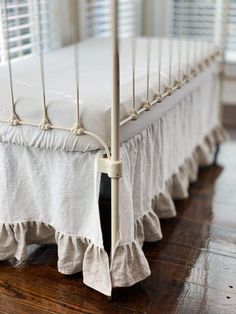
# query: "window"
[193,19]
[21,17]
[207,20]
[98,17]
[231,39]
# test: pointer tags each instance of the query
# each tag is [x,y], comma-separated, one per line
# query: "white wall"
[229,95]
[64,19]
[64,23]
[155,17]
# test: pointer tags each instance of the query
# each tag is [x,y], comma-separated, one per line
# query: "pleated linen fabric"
[51,196]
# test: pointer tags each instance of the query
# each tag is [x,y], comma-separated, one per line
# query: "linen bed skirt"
[49,196]
[26,219]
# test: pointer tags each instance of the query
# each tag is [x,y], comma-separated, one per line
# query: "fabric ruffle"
[148,226]
[75,254]
[129,265]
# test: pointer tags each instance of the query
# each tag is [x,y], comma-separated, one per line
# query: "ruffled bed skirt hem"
[129,265]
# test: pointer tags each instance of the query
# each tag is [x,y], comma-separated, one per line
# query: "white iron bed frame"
[111,164]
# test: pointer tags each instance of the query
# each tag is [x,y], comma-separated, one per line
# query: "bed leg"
[216,154]
[114,295]
[114,214]
[116,163]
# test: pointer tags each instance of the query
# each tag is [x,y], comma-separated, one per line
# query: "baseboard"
[229,116]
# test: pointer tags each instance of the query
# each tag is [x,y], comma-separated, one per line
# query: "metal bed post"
[115,130]
[223,42]
[14,120]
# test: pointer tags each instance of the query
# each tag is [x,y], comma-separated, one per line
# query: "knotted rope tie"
[201,66]
[45,124]
[207,61]
[177,84]
[134,115]
[186,77]
[168,90]
[78,129]
[147,106]
[158,97]
[14,120]
[194,72]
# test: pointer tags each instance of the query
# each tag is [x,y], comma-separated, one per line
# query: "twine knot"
[158,97]
[14,121]
[178,84]
[45,124]
[168,90]
[134,115]
[147,105]
[77,129]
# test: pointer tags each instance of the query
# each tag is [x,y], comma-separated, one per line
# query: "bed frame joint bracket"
[113,169]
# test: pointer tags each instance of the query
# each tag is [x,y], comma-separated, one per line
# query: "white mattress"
[95,87]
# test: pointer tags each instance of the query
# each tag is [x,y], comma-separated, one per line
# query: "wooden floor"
[193,267]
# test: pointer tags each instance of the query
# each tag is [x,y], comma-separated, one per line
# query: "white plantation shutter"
[22,19]
[194,19]
[98,18]
[205,20]
[231,39]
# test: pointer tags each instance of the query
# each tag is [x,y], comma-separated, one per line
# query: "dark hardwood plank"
[229,115]
[42,287]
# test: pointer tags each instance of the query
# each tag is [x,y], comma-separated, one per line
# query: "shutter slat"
[98,18]
[23,27]
[204,20]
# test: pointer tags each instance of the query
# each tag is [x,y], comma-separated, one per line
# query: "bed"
[169,125]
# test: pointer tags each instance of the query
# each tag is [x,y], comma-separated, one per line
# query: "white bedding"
[95,87]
